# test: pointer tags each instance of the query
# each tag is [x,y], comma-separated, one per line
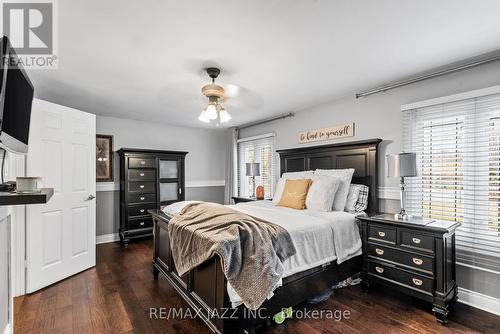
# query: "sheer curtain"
[231,186]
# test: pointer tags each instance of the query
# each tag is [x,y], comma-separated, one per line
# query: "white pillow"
[289,176]
[322,192]
[352,198]
[345,176]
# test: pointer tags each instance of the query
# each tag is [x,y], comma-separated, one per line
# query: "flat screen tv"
[16,98]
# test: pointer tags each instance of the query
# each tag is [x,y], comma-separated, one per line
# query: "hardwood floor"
[116,297]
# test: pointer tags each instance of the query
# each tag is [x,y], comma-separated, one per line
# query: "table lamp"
[253,170]
[402,165]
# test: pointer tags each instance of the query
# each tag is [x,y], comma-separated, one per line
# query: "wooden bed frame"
[205,287]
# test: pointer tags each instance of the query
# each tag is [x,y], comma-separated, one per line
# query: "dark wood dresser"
[149,179]
[416,258]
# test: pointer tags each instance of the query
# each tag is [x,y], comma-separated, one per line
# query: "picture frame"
[104,158]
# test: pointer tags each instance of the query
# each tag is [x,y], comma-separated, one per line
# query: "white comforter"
[319,237]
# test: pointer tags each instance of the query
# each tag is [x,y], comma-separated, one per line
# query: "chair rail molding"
[389,193]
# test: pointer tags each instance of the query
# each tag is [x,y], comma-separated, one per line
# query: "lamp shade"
[401,165]
[253,169]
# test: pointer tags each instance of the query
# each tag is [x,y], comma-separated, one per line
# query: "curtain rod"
[267,120]
[454,67]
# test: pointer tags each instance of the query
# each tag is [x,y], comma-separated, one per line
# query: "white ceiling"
[144,59]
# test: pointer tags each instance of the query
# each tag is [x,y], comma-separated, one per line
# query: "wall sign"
[334,132]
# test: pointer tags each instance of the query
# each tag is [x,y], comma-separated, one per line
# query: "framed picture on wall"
[104,158]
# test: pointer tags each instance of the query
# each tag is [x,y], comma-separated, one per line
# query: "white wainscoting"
[478,300]
[113,186]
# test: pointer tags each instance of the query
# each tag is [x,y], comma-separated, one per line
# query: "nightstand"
[238,199]
[413,257]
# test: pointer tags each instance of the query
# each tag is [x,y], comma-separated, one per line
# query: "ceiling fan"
[215,94]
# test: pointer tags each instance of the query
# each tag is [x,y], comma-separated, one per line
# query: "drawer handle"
[141,186]
[379,251]
[418,262]
[143,162]
[382,234]
[417,282]
[141,223]
[379,270]
[416,240]
[142,210]
[142,198]
[141,174]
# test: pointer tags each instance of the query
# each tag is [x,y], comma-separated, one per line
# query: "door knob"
[91,197]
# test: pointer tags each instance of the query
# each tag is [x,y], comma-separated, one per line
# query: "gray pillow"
[345,177]
[322,192]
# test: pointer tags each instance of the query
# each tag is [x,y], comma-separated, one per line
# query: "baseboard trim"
[7,329]
[479,300]
[106,238]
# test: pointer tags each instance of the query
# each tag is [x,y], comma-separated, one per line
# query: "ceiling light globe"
[203,117]
[211,112]
[224,116]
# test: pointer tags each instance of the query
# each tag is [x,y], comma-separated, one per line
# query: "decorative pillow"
[362,202]
[288,176]
[345,176]
[352,198]
[295,194]
[322,192]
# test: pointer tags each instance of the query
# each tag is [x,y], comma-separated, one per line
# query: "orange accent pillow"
[295,194]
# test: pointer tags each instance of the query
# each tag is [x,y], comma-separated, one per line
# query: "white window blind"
[458,151]
[257,149]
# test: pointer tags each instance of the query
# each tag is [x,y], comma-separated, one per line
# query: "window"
[256,149]
[458,149]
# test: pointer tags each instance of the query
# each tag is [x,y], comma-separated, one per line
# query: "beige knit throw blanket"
[252,250]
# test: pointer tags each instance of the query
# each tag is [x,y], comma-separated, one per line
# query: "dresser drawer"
[142,187]
[382,233]
[417,241]
[400,257]
[141,163]
[141,174]
[140,210]
[141,198]
[389,272]
[136,223]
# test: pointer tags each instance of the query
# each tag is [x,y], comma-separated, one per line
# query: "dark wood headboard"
[360,155]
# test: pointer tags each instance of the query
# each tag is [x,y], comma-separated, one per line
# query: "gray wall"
[379,116]
[204,162]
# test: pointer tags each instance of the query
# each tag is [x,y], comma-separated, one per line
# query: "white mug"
[27,184]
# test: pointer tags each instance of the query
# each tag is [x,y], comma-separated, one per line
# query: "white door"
[60,235]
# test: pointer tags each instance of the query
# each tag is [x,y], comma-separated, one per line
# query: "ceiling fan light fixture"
[215,95]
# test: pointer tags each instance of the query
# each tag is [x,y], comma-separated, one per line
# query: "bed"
[206,289]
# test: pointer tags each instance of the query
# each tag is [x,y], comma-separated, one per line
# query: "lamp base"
[402,216]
